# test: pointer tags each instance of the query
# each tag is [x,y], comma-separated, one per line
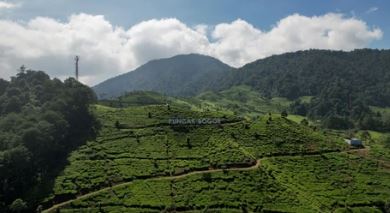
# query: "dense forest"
[343,84]
[41,121]
[182,75]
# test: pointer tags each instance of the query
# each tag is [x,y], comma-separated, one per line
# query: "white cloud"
[107,50]
[8,5]
[239,42]
[372,9]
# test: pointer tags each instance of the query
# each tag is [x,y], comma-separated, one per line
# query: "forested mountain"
[41,121]
[182,75]
[363,73]
[343,84]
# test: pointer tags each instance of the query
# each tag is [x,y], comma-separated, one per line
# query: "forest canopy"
[41,120]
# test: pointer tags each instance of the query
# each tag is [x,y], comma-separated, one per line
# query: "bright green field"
[138,159]
[243,101]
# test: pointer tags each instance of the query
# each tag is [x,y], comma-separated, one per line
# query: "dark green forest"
[343,84]
[182,75]
[41,121]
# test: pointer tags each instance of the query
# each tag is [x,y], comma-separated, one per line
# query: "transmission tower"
[77,58]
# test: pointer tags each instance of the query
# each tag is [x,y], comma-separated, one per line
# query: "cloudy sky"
[113,37]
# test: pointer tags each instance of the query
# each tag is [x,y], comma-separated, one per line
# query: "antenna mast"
[77,58]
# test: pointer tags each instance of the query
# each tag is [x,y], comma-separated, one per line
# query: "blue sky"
[260,13]
[132,32]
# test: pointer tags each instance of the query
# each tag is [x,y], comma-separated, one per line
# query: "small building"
[354,142]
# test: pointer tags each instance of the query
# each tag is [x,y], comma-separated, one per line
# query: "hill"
[342,86]
[142,163]
[243,101]
[363,72]
[182,75]
[41,121]
[344,89]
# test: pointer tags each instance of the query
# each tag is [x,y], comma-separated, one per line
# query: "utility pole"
[77,58]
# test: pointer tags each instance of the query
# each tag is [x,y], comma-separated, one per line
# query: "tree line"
[41,121]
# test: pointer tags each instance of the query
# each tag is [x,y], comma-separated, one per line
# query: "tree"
[207,177]
[41,121]
[117,125]
[304,122]
[337,122]
[366,136]
[189,145]
[284,114]
[3,86]
[12,105]
[386,141]
[297,107]
[18,205]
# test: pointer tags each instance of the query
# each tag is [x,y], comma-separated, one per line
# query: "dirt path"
[253,167]
[56,206]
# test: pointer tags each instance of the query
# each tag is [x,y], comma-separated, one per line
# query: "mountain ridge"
[180,75]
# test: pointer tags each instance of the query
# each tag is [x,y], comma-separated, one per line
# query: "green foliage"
[323,84]
[136,98]
[337,122]
[242,100]
[284,114]
[41,121]
[321,73]
[319,84]
[182,75]
[386,141]
[334,180]
[151,166]
[304,122]
[148,147]
[319,183]
[18,205]
[227,192]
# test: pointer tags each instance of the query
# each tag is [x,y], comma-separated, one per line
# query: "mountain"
[182,75]
[342,86]
[363,73]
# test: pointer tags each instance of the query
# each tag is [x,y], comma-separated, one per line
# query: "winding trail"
[180,176]
[173,177]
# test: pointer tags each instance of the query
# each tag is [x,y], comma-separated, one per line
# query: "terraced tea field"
[141,163]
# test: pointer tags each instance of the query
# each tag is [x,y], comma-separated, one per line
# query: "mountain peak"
[180,75]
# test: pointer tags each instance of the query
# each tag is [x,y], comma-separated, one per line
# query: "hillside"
[41,121]
[363,72]
[243,101]
[343,85]
[182,75]
[141,163]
